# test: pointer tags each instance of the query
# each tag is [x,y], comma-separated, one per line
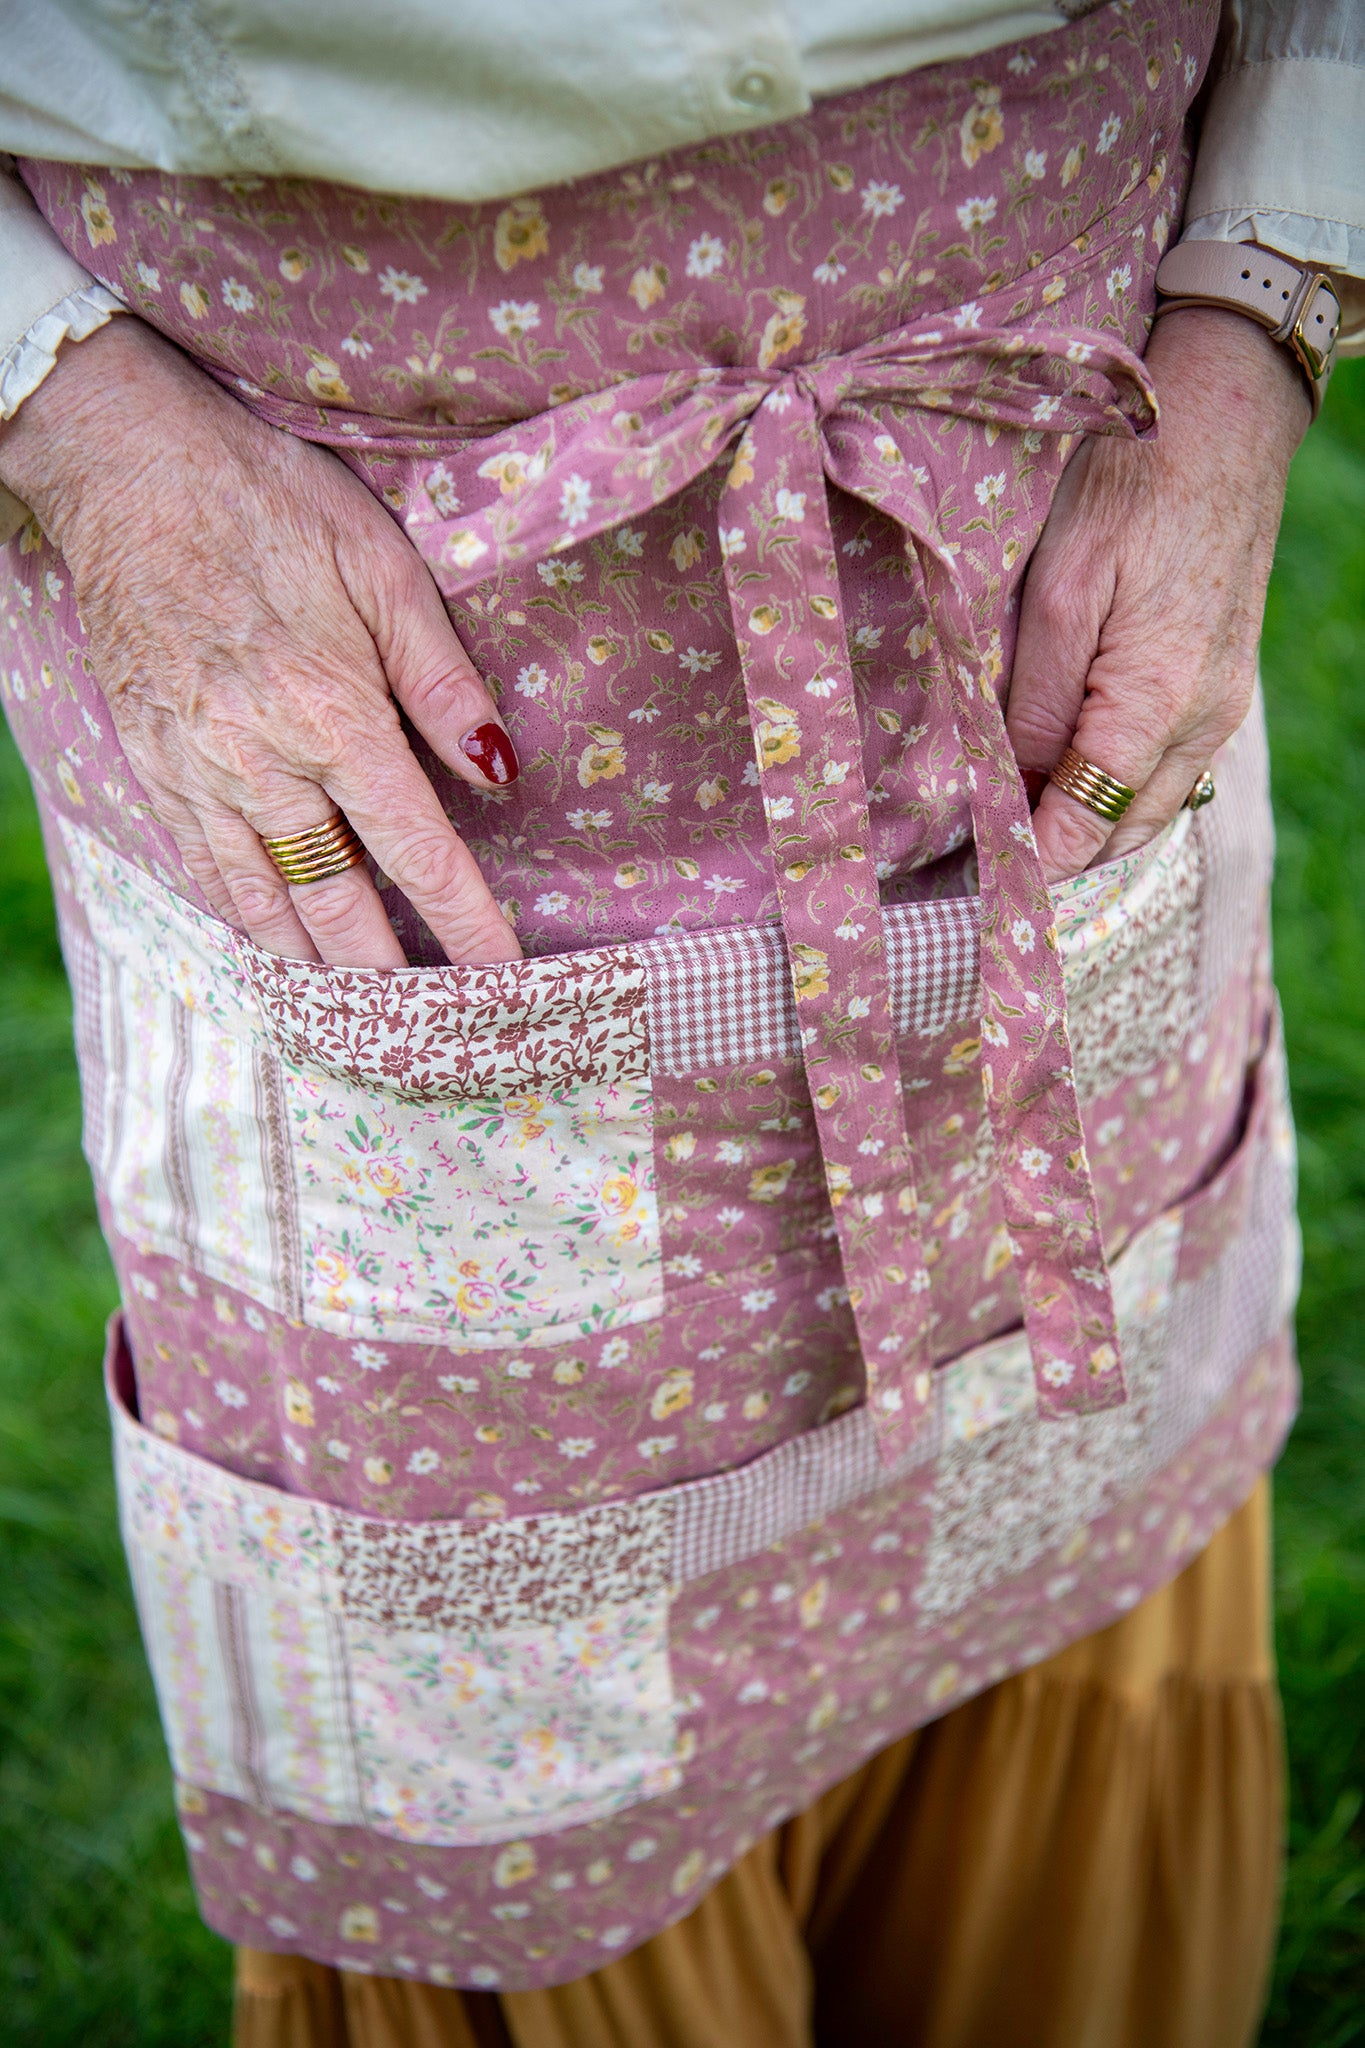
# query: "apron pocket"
[445,1683]
[1129,935]
[1198,1291]
[439,1155]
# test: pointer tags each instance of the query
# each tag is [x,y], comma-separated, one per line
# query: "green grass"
[1314,659]
[99,1941]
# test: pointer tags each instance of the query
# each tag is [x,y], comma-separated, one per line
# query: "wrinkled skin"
[1142,609]
[256,621]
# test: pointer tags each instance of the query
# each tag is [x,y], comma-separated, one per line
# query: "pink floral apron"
[569,1413]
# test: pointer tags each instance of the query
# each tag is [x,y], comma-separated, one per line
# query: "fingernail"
[492,752]
[1035,782]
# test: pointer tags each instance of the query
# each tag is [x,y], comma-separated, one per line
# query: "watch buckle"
[1315,358]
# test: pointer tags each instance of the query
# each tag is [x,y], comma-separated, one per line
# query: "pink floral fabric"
[799,1192]
[865,411]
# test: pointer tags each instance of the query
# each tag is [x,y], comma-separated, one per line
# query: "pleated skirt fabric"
[1085,1856]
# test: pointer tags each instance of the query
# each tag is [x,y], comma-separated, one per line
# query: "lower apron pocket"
[439,1682]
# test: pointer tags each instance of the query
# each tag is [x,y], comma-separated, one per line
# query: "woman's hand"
[255,621]
[1142,609]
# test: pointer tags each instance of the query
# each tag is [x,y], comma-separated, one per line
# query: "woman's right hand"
[255,621]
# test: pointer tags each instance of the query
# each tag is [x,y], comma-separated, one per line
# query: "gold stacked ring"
[1090,786]
[1204,792]
[318,853]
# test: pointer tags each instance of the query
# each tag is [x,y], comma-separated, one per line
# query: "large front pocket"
[468,1156]
[484,1206]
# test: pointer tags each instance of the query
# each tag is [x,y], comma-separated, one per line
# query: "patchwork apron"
[569,1413]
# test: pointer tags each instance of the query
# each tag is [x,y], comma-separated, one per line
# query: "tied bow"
[475,503]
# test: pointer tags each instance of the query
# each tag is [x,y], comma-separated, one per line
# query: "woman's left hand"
[1142,609]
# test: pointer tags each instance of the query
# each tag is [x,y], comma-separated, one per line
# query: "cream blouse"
[456,99]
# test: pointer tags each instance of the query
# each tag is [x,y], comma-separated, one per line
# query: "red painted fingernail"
[492,752]
[1035,782]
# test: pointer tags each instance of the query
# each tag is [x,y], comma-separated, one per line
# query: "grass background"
[100,1944]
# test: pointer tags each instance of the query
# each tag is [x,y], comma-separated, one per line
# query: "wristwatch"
[1295,304]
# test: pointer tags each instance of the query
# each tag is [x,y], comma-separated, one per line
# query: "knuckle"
[361,743]
[237,760]
[334,909]
[433,864]
[275,803]
[1230,713]
[1062,602]
[436,870]
[204,872]
[172,810]
[440,688]
[260,901]
[404,576]
[1073,836]
[1125,732]
[305,731]
[340,733]
[1201,717]
[1177,699]
[282,804]
[290,716]
[479,932]
[1037,731]
[233,743]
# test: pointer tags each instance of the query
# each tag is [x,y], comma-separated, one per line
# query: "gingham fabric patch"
[719,1000]
[734,1515]
[723,999]
[932,957]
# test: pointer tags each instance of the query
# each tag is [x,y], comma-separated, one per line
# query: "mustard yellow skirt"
[1086,1856]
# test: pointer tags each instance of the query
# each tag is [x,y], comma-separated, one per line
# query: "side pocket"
[1217,1214]
[1238,1274]
[169,1044]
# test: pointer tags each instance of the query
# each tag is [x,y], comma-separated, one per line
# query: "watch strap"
[1294,303]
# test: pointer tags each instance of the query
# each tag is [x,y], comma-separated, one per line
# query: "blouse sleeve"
[1281,157]
[46,298]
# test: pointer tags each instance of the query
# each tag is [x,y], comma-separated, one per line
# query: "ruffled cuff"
[25,364]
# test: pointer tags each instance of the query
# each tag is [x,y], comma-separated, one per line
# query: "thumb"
[427,669]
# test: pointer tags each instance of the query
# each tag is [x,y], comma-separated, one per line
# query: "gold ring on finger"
[316,854]
[1204,792]
[1100,793]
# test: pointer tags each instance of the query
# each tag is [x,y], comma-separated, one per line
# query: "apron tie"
[474,503]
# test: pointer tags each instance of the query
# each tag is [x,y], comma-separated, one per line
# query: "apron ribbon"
[473,504]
